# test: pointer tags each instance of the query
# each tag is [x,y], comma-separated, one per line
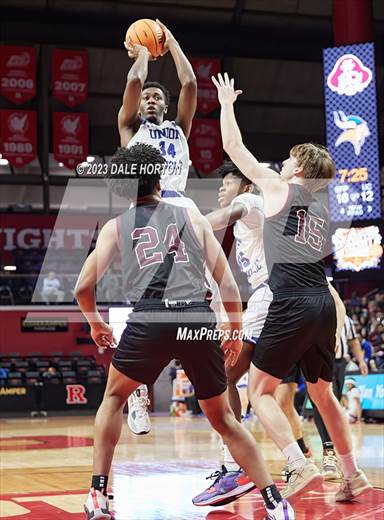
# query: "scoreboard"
[352,139]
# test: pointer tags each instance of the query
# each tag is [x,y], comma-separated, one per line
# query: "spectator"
[51,289]
[367,347]
[110,285]
[351,365]
[51,373]
[3,376]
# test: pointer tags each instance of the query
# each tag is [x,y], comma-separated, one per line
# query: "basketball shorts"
[299,330]
[294,376]
[151,340]
[256,313]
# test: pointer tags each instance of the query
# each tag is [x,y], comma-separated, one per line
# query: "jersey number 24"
[148,240]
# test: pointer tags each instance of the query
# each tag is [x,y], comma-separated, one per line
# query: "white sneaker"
[283,511]
[138,417]
[302,479]
[331,469]
[97,507]
[353,487]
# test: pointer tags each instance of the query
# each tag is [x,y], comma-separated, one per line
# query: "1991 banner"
[351,115]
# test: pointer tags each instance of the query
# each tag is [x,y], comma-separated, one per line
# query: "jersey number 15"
[309,230]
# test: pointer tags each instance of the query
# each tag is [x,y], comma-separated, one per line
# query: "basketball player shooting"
[142,115]
[301,323]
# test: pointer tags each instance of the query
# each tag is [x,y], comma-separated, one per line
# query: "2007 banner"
[70,76]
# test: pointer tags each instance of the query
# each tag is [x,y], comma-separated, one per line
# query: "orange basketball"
[148,33]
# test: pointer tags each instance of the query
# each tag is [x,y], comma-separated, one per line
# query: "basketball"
[148,33]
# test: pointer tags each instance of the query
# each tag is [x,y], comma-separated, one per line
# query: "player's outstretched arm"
[186,106]
[224,217]
[93,270]
[268,180]
[129,112]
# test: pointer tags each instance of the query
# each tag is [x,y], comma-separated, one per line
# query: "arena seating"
[29,370]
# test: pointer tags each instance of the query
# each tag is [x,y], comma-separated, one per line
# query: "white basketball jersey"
[248,233]
[169,138]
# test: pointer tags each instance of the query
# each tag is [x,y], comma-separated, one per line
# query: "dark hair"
[155,84]
[132,164]
[228,167]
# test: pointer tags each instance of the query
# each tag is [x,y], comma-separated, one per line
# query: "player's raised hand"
[169,38]
[226,88]
[231,349]
[102,335]
[134,49]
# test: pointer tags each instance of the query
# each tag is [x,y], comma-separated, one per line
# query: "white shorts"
[256,312]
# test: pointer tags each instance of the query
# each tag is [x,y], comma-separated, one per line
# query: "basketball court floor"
[46,471]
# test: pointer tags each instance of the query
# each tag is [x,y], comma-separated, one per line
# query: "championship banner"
[70,76]
[70,138]
[204,68]
[205,145]
[18,73]
[18,136]
[352,138]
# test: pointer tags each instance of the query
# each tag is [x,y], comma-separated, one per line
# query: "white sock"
[228,461]
[348,463]
[294,456]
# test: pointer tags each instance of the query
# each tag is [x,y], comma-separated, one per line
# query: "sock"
[302,445]
[100,482]
[228,461]
[271,496]
[294,456]
[328,446]
[348,464]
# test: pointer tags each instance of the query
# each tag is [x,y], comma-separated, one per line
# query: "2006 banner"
[18,73]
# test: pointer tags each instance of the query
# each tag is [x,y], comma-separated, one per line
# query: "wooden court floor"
[46,470]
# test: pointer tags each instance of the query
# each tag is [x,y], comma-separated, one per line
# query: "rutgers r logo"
[76,394]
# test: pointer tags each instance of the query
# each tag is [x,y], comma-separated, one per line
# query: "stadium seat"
[94,376]
[14,379]
[65,365]
[21,366]
[69,377]
[32,377]
[83,366]
[42,366]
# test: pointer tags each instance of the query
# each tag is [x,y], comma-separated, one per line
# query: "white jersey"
[248,233]
[169,138]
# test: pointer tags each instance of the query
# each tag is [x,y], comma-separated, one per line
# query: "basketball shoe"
[352,487]
[285,472]
[331,469]
[301,479]
[138,417]
[283,511]
[227,487]
[97,507]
